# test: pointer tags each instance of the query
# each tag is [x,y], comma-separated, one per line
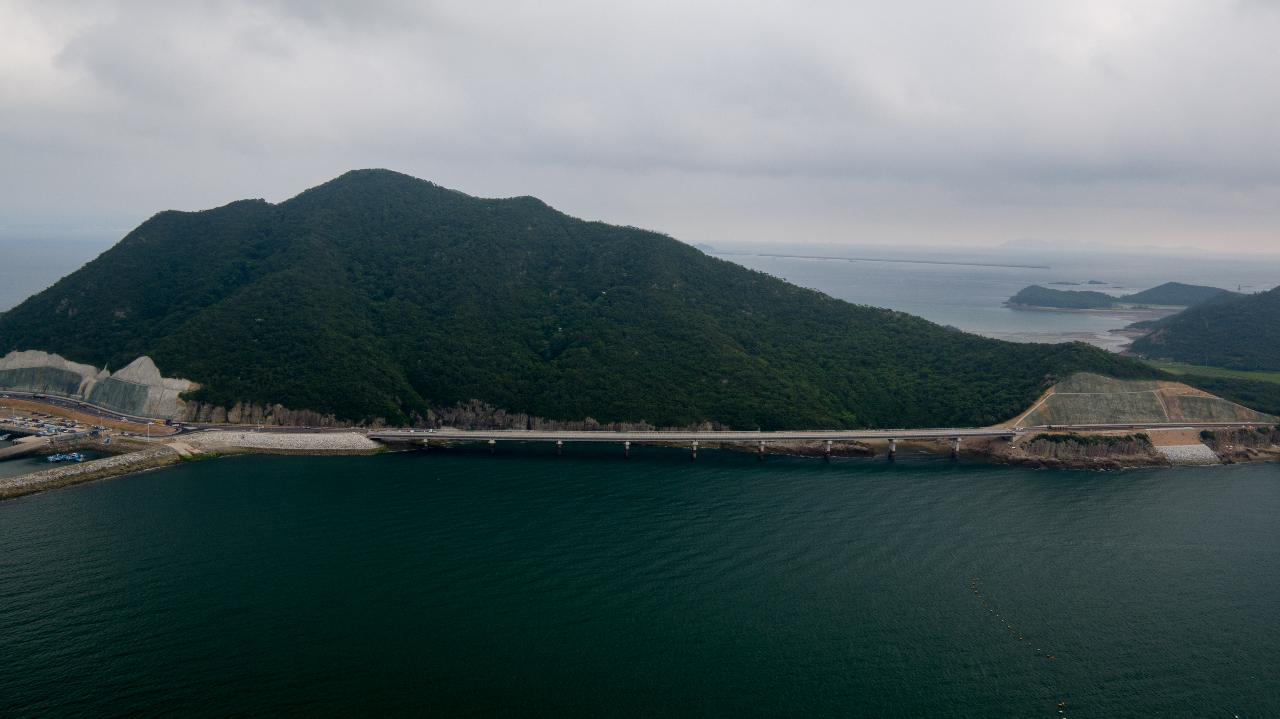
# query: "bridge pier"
[826,454]
[955,448]
[694,454]
[493,446]
[760,456]
[626,449]
[559,447]
[893,449]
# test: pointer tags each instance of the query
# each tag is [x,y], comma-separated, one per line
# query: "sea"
[450,583]
[968,288]
[522,584]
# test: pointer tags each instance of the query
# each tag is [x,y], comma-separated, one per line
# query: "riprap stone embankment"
[68,474]
[225,441]
[201,444]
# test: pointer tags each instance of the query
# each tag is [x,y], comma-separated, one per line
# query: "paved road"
[680,436]
[416,435]
[77,405]
[478,435]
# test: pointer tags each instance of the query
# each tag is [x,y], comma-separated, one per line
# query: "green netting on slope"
[1211,409]
[1099,408]
[120,396]
[45,380]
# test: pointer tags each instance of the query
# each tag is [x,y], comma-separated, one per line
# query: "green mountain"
[1176,294]
[1233,331]
[380,295]
[1037,296]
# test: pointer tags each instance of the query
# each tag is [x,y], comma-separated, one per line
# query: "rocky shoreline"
[1131,451]
[68,474]
[138,456]
[1043,450]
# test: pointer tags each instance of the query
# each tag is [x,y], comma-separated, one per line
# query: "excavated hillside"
[1086,398]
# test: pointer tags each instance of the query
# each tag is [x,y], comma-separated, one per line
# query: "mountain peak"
[374,179]
[380,295]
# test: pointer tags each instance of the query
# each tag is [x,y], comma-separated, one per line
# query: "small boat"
[5,437]
[70,457]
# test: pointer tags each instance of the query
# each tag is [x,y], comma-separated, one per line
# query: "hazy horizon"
[927,124]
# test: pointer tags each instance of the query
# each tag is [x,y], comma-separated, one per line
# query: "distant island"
[1169,294]
[1036,296]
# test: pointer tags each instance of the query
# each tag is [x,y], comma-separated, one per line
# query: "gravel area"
[282,441]
[1189,454]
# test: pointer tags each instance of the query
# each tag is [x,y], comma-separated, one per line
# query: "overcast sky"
[1088,122]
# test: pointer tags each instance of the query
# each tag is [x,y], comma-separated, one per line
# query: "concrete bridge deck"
[515,435]
[859,435]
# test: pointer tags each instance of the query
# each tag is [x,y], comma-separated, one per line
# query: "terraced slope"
[1092,399]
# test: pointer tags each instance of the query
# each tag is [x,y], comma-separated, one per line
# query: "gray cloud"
[1149,121]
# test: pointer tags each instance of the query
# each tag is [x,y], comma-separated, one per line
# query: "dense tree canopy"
[1233,331]
[1176,294]
[1037,296]
[380,295]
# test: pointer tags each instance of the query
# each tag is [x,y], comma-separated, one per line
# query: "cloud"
[1006,117]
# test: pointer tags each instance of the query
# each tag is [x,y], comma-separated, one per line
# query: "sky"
[1087,124]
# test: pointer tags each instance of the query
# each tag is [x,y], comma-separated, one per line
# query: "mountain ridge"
[1235,332]
[1176,294]
[378,295]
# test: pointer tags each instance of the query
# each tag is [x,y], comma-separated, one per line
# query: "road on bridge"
[861,435]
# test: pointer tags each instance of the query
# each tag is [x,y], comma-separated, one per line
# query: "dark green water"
[516,585]
[33,463]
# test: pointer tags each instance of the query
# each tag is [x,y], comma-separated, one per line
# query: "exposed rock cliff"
[1236,445]
[137,389]
[1078,451]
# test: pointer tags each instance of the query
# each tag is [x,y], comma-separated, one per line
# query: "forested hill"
[1037,296]
[1234,331]
[380,295]
[1176,294]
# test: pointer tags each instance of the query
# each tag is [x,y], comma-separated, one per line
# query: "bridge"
[759,438]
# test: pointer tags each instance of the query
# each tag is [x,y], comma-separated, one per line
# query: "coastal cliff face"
[1077,451]
[246,413]
[1067,450]
[136,389]
[1244,445]
[469,415]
